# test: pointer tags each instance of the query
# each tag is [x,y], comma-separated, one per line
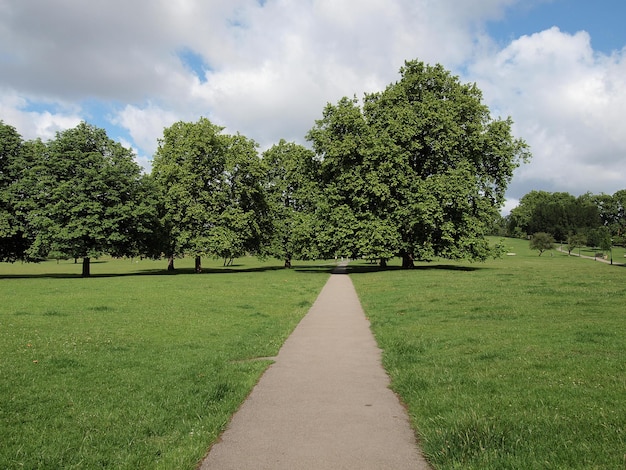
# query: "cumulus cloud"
[266,69]
[144,124]
[566,100]
[272,65]
[32,124]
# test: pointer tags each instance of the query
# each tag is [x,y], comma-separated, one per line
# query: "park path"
[595,258]
[325,402]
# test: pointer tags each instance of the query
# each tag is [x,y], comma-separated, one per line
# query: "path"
[595,258]
[324,403]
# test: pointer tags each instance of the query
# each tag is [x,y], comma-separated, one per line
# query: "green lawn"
[515,363]
[134,368]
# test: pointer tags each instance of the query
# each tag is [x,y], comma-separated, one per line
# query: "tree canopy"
[541,241]
[292,193]
[589,216]
[13,241]
[211,190]
[419,170]
[82,196]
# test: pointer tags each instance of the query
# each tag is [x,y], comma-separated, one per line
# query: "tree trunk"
[198,264]
[170,263]
[86,271]
[288,262]
[383,263]
[407,261]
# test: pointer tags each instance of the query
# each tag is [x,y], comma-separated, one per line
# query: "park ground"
[512,363]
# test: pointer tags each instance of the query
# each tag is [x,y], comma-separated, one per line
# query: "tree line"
[418,170]
[595,220]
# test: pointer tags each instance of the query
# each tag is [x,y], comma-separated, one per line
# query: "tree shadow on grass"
[364,269]
[233,269]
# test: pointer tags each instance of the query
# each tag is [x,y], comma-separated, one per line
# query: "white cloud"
[33,124]
[566,101]
[145,125]
[273,67]
[509,205]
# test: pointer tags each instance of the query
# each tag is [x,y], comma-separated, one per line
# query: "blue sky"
[267,68]
[194,62]
[602,19]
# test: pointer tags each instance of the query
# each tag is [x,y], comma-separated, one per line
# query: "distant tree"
[605,242]
[521,216]
[620,202]
[593,237]
[499,226]
[575,241]
[212,195]
[542,241]
[557,213]
[419,171]
[587,213]
[554,214]
[82,196]
[292,193]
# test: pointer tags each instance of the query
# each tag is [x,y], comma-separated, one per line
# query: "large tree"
[13,241]
[82,196]
[212,195]
[419,170]
[292,194]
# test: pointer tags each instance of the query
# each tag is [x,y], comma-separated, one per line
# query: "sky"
[267,68]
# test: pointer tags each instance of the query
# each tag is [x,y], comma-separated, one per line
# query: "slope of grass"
[132,369]
[514,363]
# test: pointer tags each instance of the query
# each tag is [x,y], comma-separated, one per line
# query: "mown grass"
[134,368]
[514,363]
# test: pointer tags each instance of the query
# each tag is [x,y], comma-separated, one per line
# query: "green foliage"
[13,238]
[562,214]
[419,171]
[117,372]
[211,191]
[517,363]
[605,239]
[541,241]
[599,237]
[575,241]
[81,196]
[292,195]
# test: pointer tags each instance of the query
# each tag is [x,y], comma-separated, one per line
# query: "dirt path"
[324,403]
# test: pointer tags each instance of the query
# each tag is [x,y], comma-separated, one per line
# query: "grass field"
[517,363]
[134,368]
